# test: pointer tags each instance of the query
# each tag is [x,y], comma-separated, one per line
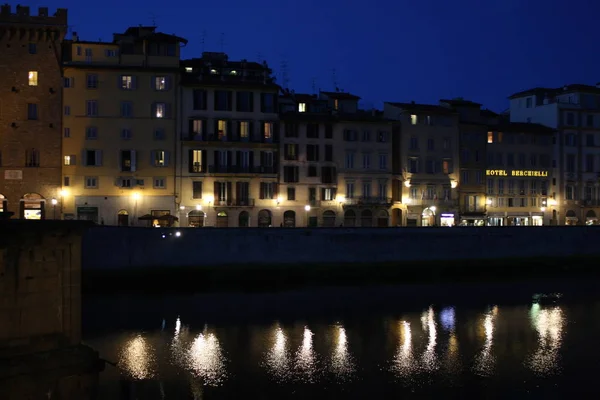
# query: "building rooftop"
[552,92]
[22,15]
[340,95]
[522,127]
[422,108]
[460,102]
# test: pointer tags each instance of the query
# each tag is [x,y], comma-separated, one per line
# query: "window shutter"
[317,152]
[229,193]
[216,160]
[133,160]
[238,130]
[262,191]
[153,110]
[84,159]
[229,100]
[238,190]
[276,161]
[204,160]
[216,129]
[216,100]
[238,160]
[167,158]
[190,160]
[191,132]
[238,101]
[204,105]
[229,129]
[153,82]
[333,193]
[216,192]
[134,82]
[229,158]
[251,130]
[251,94]
[262,102]
[168,110]
[153,158]
[322,193]
[119,81]
[262,159]
[168,82]
[262,131]
[276,128]
[251,160]
[99,158]
[275,190]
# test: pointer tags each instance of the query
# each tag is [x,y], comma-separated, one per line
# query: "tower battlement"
[22,15]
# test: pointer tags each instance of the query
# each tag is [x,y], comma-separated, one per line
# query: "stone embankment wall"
[110,248]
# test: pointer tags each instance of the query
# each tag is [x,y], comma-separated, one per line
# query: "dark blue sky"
[382,50]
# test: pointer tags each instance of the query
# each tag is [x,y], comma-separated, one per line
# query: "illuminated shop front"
[473,219]
[447,219]
[515,219]
[590,218]
[33,206]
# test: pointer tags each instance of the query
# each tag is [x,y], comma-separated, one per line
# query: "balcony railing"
[199,137]
[368,201]
[429,202]
[241,169]
[243,202]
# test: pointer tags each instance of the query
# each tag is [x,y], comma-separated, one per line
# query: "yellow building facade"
[119,128]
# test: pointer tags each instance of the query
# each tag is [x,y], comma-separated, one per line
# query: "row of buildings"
[126,133]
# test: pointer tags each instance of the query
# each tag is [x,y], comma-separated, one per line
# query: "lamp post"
[54,203]
[307,209]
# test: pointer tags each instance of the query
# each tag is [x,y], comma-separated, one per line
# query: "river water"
[451,341]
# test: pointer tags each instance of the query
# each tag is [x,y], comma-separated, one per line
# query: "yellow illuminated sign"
[516,172]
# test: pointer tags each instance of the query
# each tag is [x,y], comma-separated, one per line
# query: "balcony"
[212,138]
[241,169]
[243,202]
[430,202]
[368,201]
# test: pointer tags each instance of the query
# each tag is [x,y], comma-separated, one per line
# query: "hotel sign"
[516,172]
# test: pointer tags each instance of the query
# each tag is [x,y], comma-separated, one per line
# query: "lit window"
[127,82]
[33,78]
[67,160]
[189,69]
[335,104]
[213,71]
[160,110]
[413,119]
[301,107]
[160,83]
[490,137]
[222,128]
[268,130]
[244,129]
[233,72]
[159,158]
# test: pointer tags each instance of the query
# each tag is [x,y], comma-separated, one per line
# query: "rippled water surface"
[347,343]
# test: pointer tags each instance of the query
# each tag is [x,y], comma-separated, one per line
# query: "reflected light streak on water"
[277,359]
[448,319]
[484,361]
[404,363]
[306,358]
[137,358]
[342,364]
[206,360]
[549,324]
[429,358]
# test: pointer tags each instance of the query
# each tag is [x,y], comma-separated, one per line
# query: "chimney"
[75,37]
[5,9]
[412,102]
[23,11]
[42,11]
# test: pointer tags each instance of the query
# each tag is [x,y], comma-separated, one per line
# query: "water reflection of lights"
[404,364]
[277,360]
[429,358]
[206,359]
[447,318]
[137,358]
[305,357]
[342,364]
[484,362]
[549,324]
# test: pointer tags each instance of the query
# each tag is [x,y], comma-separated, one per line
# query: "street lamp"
[54,203]
[307,209]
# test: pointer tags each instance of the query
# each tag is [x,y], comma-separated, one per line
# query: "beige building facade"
[228,146]
[119,128]
[426,165]
[519,175]
[336,162]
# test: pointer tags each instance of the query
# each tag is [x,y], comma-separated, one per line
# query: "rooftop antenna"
[203,39]
[285,79]
[222,42]
[314,86]
[153,19]
[334,79]
[70,28]
[258,57]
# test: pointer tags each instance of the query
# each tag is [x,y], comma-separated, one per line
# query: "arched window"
[244,219]
[33,206]
[196,219]
[382,219]
[289,219]
[329,219]
[396,217]
[264,219]
[366,219]
[123,218]
[349,218]
[222,219]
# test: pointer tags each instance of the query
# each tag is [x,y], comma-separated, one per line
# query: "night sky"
[381,50]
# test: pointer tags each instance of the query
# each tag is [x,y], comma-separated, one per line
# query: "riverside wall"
[113,248]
